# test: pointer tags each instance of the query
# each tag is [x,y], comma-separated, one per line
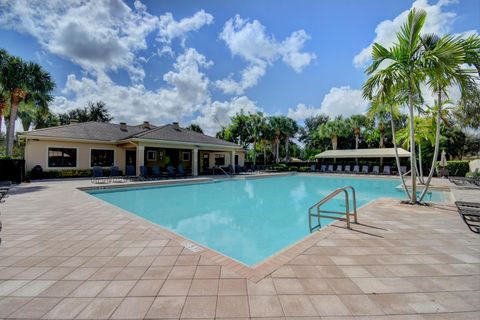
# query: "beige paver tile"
[232,307]
[343,286]
[33,288]
[36,308]
[131,273]
[89,289]
[315,286]
[81,274]
[175,288]
[265,306]
[182,272]
[288,286]
[207,272]
[133,308]
[166,307]
[117,288]
[232,287]
[100,308]
[108,273]
[9,286]
[68,308]
[329,305]
[361,305]
[297,306]
[156,272]
[199,307]
[146,288]
[263,287]
[60,289]
[10,304]
[187,260]
[203,287]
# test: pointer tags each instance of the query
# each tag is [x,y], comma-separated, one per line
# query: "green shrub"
[280,167]
[304,169]
[292,168]
[458,168]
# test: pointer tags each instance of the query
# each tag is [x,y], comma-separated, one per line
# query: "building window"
[219,159]
[186,156]
[101,158]
[151,155]
[62,157]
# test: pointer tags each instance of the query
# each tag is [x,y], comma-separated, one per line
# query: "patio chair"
[467,181]
[313,168]
[339,169]
[143,173]
[356,169]
[181,171]
[115,173]
[97,176]
[330,168]
[130,173]
[365,169]
[470,213]
[156,172]
[323,168]
[387,170]
[171,172]
[347,169]
[403,170]
[376,170]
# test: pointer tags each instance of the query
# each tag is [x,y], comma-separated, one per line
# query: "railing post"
[347,206]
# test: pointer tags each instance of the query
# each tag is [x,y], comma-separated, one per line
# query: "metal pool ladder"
[337,215]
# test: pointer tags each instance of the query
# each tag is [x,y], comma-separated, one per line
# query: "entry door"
[130,158]
[206,161]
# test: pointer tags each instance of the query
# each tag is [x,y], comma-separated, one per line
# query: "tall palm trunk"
[334,142]
[277,150]
[437,146]
[287,155]
[17,96]
[413,158]
[397,158]
[254,152]
[264,154]
[420,167]
[357,138]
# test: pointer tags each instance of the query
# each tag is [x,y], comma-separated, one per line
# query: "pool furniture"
[130,174]
[339,169]
[171,172]
[403,170]
[181,171]
[387,170]
[467,181]
[365,169]
[347,169]
[156,172]
[356,169]
[115,174]
[470,213]
[376,170]
[330,168]
[143,173]
[313,168]
[97,176]
[323,168]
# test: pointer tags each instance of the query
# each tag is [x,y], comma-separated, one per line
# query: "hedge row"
[458,168]
[71,173]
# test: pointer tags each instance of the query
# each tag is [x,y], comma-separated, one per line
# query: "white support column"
[140,157]
[232,161]
[195,161]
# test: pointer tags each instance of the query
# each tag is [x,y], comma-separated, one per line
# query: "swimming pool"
[246,219]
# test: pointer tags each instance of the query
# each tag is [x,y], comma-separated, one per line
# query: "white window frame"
[90,156]
[183,156]
[154,152]
[61,168]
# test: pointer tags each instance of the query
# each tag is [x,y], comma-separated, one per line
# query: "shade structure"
[363,153]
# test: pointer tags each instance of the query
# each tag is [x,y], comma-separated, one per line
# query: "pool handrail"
[329,197]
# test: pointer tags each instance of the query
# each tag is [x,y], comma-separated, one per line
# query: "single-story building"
[88,144]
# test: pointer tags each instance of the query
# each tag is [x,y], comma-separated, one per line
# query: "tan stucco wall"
[228,156]
[36,153]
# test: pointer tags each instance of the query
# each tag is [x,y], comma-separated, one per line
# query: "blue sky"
[202,61]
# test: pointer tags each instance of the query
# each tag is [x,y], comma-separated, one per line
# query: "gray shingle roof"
[104,131]
[170,132]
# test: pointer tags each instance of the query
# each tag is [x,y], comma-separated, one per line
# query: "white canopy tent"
[363,153]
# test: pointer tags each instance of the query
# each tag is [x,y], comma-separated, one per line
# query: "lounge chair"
[365,169]
[356,169]
[470,213]
[323,168]
[143,173]
[376,170]
[339,169]
[130,174]
[330,168]
[387,170]
[182,172]
[403,170]
[97,176]
[347,169]
[115,173]
[467,181]
[171,172]
[156,172]
[313,168]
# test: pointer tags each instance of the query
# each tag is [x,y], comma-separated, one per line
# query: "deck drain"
[191,246]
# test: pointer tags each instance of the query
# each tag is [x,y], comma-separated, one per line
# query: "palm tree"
[276,127]
[334,129]
[25,83]
[4,94]
[403,65]
[266,135]
[444,59]
[357,122]
[255,123]
[27,114]
[289,129]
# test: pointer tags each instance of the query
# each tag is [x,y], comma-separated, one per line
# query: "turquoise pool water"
[246,219]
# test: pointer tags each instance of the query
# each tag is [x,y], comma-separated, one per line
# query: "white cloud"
[438,21]
[170,29]
[218,113]
[343,101]
[97,35]
[250,41]
[301,112]
[186,93]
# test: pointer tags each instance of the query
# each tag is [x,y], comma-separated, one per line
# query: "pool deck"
[65,255]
